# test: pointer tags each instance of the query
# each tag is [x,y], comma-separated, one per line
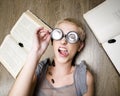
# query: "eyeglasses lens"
[71,37]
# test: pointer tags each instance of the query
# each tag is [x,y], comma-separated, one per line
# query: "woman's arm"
[24,81]
[90,85]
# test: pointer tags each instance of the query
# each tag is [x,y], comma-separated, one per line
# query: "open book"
[104,21]
[16,45]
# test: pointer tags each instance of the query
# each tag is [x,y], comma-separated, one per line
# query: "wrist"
[34,54]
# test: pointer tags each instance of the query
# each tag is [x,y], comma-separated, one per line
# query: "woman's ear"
[81,46]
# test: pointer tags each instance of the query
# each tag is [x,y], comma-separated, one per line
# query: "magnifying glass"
[71,37]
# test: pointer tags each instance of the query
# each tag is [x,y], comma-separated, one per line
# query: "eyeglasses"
[71,37]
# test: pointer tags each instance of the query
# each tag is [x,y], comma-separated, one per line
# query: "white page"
[25,27]
[113,51]
[24,30]
[12,56]
[104,20]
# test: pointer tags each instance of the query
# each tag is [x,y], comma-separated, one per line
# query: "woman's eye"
[72,36]
[56,34]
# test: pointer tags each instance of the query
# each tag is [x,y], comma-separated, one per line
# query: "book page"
[104,20]
[25,27]
[112,48]
[18,43]
[12,56]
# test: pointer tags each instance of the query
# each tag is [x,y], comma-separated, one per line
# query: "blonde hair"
[77,24]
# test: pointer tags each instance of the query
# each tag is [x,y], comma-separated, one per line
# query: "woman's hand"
[27,74]
[41,41]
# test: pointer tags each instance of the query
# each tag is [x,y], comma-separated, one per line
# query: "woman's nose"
[63,41]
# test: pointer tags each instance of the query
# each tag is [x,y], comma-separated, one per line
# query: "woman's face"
[64,51]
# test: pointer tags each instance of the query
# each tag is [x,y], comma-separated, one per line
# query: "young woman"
[59,77]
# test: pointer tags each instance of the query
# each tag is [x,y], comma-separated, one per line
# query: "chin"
[63,60]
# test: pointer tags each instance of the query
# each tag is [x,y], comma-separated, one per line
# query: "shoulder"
[85,79]
[43,63]
[41,67]
[83,67]
[89,78]
[90,84]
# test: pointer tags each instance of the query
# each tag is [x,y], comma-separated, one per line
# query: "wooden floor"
[107,80]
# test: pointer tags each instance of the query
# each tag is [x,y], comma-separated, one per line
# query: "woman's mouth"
[63,51]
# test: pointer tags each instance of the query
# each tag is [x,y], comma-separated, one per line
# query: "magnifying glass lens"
[72,37]
[56,34]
